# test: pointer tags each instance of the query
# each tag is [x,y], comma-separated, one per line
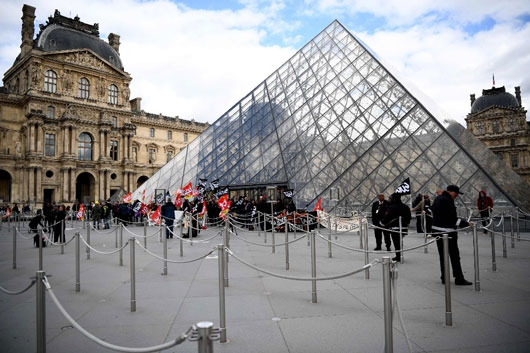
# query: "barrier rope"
[57,244]
[111,346]
[364,268]
[125,221]
[97,231]
[267,245]
[173,261]
[103,252]
[141,236]
[207,240]
[23,237]
[33,280]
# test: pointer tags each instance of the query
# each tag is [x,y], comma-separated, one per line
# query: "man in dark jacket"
[445,220]
[168,214]
[394,212]
[378,213]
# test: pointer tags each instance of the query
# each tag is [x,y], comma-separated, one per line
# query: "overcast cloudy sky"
[195,59]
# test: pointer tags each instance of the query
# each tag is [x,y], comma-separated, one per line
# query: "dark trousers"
[379,233]
[454,255]
[169,228]
[58,233]
[397,243]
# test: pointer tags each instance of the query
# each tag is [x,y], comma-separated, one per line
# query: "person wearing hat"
[445,220]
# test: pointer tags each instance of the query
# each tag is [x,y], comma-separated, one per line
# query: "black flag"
[214,185]
[288,193]
[404,188]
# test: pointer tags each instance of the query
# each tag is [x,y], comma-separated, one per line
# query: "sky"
[195,59]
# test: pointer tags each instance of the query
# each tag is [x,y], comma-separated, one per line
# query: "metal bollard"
[164,272]
[330,255]
[121,244]
[336,231]
[402,257]
[222,313]
[387,304]
[272,235]
[329,226]
[204,329]
[517,223]
[160,234]
[286,244]
[493,260]
[41,312]
[447,279]
[504,254]
[265,228]
[77,262]
[424,223]
[475,258]
[313,268]
[259,224]
[39,232]
[366,254]
[189,228]
[181,242]
[360,232]
[116,235]
[294,223]
[145,233]
[14,248]
[63,237]
[88,242]
[225,254]
[132,244]
[512,232]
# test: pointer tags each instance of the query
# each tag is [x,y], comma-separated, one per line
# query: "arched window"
[113,94]
[84,88]
[185,137]
[50,112]
[50,81]
[84,147]
[169,155]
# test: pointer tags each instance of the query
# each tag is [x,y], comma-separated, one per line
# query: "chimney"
[114,41]
[28,29]
[518,95]
[136,104]
[472,97]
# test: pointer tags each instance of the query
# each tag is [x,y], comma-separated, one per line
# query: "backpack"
[34,222]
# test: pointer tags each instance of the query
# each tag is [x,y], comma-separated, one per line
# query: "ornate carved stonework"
[85,59]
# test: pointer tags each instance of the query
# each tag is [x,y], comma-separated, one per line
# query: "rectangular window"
[512,142]
[114,121]
[515,161]
[151,155]
[114,150]
[185,137]
[169,134]
[49,145]
[50,112]
[152,132]
[134,150]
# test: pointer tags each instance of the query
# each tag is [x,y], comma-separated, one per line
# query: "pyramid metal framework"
[331,122]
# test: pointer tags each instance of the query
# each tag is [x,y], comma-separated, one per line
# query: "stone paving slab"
[264,313]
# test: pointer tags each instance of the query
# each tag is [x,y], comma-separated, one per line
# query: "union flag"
[188,191]
[127,198]
[155,216]
[318,206]
[81,212]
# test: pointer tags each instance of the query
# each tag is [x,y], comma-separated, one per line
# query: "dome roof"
[56,38]
[494,97]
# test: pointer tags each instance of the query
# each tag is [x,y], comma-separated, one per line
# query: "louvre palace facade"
[68,128]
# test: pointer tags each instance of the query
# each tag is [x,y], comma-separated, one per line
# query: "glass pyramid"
[331,122]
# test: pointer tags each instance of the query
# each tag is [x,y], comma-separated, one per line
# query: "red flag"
[8,213]
[203,211]
[224,204]
[178,201]
[155,216]
[188,191]
[127,198]
[81,212]
[318,206]
[144,209]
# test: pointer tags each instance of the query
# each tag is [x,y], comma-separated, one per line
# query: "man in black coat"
[378,213]
[445,220]
[395,210]
[168,214]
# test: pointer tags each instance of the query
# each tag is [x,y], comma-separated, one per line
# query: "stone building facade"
[68,130]
[498,119]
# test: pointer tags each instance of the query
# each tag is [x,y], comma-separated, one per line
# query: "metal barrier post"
[132,242]
[265,228]
[41,312]
[517,221]
[402,257]
[39,232]
[145,233]
[286,244]
[204,329]
[160,235]
[329,226]
[493,260]
[116,235]
[121,244]
[14,248]
[222,313]
[88,242]
[504,253]
[313,268]
[330,255]
[475,258]
[294,223]
[225,254]
[164,272]
[424,223]
[366,254]
[272,235]
[189,227]
[77,262]
[181,242]
[8,222]
[447,280]
[259,224]
[387,303]
[336,232]
[63,236]
[512,232]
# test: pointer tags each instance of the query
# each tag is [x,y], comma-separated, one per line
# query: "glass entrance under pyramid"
[331,122]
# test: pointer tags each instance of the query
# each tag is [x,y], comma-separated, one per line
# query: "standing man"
[396,210]
[168,214]
[378,212]
[484,206]
[445,220]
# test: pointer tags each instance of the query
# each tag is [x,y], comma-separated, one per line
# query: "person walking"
[446,220]
[484,206]
[378,213]
[168,214]
[395,210]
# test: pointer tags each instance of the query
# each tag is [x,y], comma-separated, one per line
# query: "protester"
[34,224]
[446,220]
[484,206]
[168,214]
[395,210]
[378,213]
[97,212]
[58,227]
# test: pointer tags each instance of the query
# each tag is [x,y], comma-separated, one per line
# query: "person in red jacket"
[484,206]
